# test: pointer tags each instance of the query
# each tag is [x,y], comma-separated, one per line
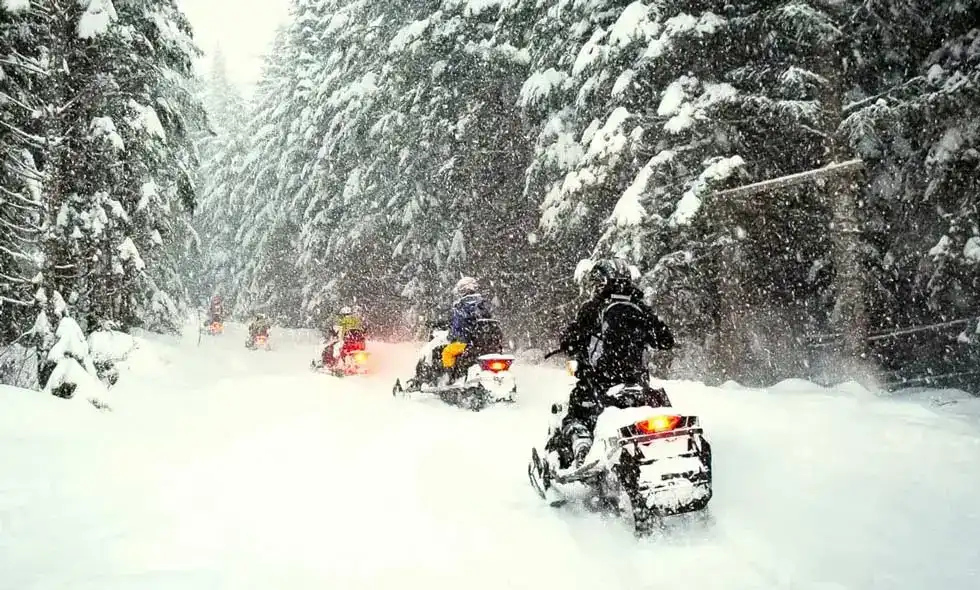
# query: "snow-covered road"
[227,468]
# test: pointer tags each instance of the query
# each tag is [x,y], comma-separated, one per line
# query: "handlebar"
[552,353]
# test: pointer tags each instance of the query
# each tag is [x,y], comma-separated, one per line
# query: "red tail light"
[495,365]
[656,424]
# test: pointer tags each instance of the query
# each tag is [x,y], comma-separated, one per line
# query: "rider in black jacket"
[608,342]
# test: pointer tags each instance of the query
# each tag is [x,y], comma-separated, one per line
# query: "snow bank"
[912,402]
[110,346]
[29,413]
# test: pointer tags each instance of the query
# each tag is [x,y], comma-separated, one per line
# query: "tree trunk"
[730,349]
[849,316]
[850,312]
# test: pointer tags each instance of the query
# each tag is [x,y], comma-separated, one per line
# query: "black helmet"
[611,275]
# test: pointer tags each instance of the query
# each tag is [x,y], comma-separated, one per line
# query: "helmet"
[216,299]
[466,286]
[259,315]
[346,310]
[615,275]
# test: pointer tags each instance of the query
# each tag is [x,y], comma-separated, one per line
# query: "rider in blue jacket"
[468,308]
[467,339]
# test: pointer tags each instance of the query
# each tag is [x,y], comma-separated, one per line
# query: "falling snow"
[806,229]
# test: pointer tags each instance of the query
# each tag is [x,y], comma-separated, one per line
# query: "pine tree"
[122,166]
[915,127]
[217,145]
[23,68]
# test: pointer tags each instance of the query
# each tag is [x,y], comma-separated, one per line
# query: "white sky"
[243,28]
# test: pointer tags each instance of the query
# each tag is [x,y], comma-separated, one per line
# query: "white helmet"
[346,310]
[466,286]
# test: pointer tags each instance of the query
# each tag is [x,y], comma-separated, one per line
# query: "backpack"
[617,345]
[487,336]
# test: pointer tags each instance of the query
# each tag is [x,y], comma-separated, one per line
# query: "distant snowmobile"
[486,381]
[647,461]
[346,358]
[260,340]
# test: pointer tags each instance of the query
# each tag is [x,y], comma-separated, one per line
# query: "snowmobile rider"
[469,307]
[259,325]
[608,339]
[464,315]
[348,329]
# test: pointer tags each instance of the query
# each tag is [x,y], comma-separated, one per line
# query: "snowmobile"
[216,327]
[648,461]
[260,340]
[352,359]
[486,381]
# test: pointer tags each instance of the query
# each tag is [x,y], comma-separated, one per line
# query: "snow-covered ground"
[221,467]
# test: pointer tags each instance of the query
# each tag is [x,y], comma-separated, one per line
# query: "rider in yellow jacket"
[348,332]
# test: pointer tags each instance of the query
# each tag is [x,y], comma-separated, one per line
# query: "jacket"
[577,338]
[466,311]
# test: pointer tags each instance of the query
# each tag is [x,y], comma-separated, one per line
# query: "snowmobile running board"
[575,474]
[439,389]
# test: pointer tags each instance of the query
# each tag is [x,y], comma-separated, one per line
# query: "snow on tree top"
[506,51]
[407,35]
[674,96]
[105,128]
[678,25]
[623,82]
[941,248]
[629,211]
[337,21]
[96,19]
[609,140]
[690,203]
[589,53]
[684,119]
[15,5]
[128,252]
[71,341]
[366,86]
[540,85]
[146,119]
[971,250]
[564,152]
[633,23]
[478,7]
[148,192]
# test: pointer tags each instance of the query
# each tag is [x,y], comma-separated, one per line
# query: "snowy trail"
[229,468]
